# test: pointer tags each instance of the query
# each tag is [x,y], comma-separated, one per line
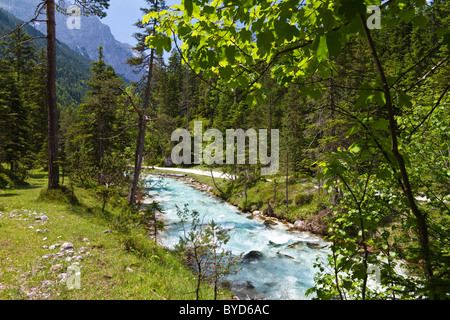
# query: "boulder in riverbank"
[316,224]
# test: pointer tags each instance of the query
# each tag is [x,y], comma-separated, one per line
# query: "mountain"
[86,40]
[73,69]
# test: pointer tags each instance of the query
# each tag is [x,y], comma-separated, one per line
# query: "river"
[277,263]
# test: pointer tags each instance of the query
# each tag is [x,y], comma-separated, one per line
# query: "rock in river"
[296,245]
[276,245]
[253,256]
[284,255]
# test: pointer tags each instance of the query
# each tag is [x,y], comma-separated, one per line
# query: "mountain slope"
[86,41]
[73,69]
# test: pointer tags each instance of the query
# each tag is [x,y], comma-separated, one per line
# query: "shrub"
[5,181]
[302,199]
[10,180]
[63,195]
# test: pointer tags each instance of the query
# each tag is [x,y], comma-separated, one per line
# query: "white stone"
[62,276]
[47,283]
[56,267]
[83,250]
[41,218]
[67,246]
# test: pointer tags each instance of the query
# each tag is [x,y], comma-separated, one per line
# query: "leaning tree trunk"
[422,226]
[139,154]
[53,167]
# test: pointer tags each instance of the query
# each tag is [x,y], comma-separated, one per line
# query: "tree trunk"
[139,154]
[155,225]
[287,180]
[275,191]
[214,181]
[52,108]
[138,159]
[406,185]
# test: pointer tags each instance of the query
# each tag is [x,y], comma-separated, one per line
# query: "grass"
[122,264]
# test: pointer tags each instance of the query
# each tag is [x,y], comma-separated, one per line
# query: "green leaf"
[226,73]
[352,131]
[184,30]
[442,32]
[168,44]
[334,43]
[407,14]
[377,97]
[264,40]
[404,99]
[350,8]
[446,40]
[419,21]
[245,35]
[381,124]
[284,31]
[188,7]
[322,49]
[208,10]
[230,52]
[354,148]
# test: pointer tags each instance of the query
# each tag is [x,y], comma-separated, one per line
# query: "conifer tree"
[98,119]
[20,77]
[92,7]
[146,61]
[13,117]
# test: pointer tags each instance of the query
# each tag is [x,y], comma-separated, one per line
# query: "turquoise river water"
[277,262]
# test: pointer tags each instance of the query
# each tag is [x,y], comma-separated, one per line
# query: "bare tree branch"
[38,12]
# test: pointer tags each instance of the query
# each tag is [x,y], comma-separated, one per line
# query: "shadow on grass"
[8,195]
[39,175]
[30,186]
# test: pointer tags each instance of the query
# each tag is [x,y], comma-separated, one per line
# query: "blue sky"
[122,14]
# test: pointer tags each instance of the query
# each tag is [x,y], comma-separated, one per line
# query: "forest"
[360,98]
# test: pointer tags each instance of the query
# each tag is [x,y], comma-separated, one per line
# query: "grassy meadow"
[116,257]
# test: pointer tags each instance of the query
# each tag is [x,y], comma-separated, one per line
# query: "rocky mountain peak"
[86,40]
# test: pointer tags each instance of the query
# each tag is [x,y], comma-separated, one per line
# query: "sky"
[122,14]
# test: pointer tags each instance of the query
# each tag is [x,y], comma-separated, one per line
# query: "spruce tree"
[98,119]
[13,115]
[146,61]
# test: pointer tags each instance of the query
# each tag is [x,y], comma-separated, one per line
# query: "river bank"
[278,261]
[314,223]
